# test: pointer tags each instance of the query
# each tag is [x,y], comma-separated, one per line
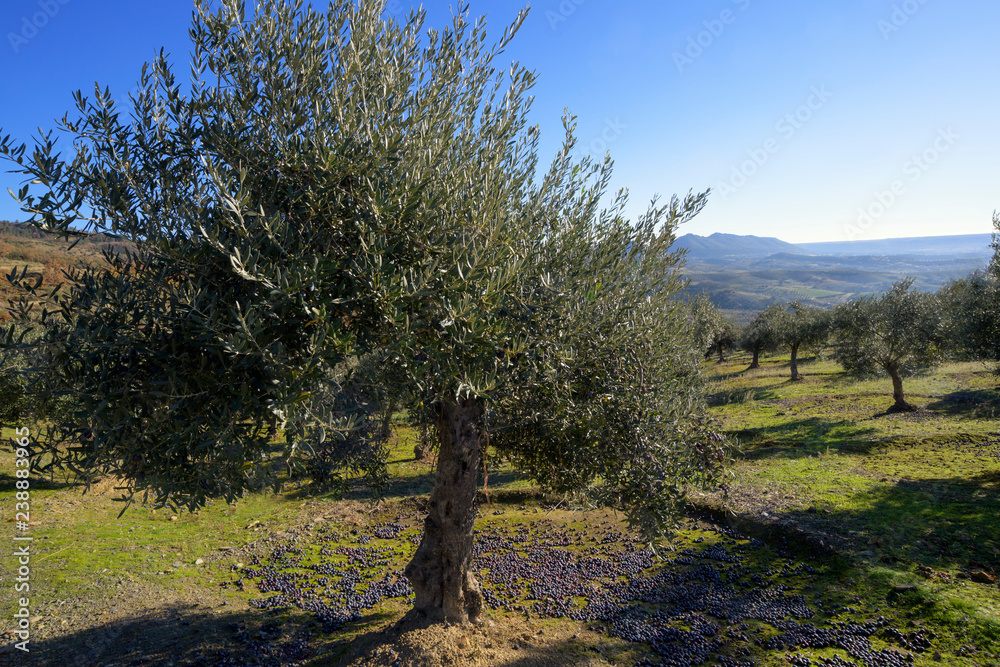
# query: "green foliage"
[607,403]
[995,263]
[798,324]
[330,186]
[761,334]
[13,385]
[971,310]
[795,326]
[712,330]
[901,330]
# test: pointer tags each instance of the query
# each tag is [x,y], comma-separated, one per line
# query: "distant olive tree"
[713,331]
[13,386]
[898,332]
[971,308]
[798,326]
[725,337]
[761,334]
[971,311]
[333,185]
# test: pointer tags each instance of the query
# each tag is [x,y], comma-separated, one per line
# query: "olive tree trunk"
[722,356]
[795,363]
[900,404]
[386,430]
[440,572]
[756,359]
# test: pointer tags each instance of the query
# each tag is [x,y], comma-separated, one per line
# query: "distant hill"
[735,245]
[744,274]
[46,255]
[965,244]
[732,245]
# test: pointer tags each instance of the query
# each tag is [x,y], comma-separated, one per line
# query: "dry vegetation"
[23,247]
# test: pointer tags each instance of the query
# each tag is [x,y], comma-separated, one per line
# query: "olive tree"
[334,185]
[713,331]
[897,332]
[13,399]
[761,334]
[971,308]
[796,326]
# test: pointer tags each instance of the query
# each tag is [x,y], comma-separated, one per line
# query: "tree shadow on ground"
[745,394]
[504,641]
[196,637]
[38,483]
[177,634]
[402,487]
[915,413]
[968,403]
[804,437]
[941,523]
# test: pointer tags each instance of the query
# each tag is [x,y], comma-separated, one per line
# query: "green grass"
[906,499]
[914,496]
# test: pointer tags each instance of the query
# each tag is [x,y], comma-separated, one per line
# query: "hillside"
[741,277]
[732,245]
[748,246]
[46,255]
[964,244]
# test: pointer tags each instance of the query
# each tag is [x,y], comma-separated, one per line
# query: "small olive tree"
[713,331]
[761,334]
[334,185]
[898,332]
[796,326]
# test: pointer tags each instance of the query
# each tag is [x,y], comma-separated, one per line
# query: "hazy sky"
[811,121]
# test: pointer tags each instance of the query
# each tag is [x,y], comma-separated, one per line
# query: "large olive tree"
[332,185]
[898,332]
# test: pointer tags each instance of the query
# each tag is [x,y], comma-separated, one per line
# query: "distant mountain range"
[737,246]
[744,274]
[733,245]
[965,244]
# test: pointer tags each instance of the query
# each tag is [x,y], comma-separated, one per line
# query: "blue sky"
[811,121]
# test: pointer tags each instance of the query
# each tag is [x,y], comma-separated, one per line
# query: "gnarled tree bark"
[897,390]
[756,359]
[440,572]
[795,363]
